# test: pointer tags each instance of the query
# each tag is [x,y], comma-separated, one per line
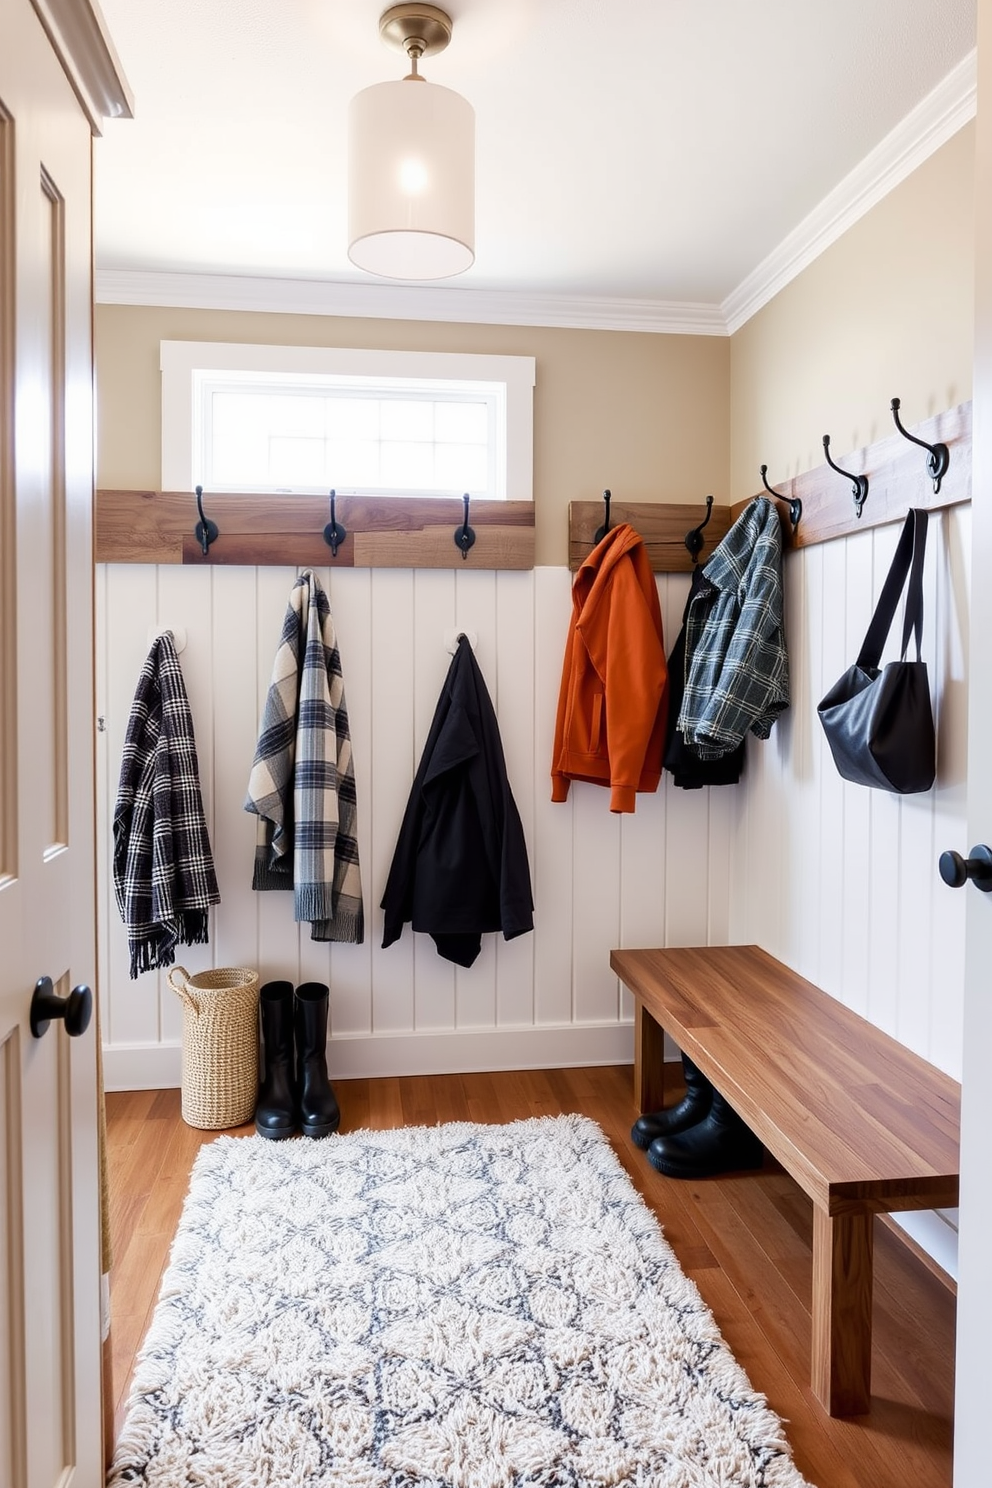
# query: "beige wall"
[886,311]
[645,415]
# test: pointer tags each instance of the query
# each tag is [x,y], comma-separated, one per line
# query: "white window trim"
[180,359]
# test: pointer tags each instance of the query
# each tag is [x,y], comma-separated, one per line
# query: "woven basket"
[220,1045]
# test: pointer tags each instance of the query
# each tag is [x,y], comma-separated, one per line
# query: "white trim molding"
[924,129]
[570,1046]
[401,302]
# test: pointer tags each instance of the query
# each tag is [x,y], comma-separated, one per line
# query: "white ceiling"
[657,151]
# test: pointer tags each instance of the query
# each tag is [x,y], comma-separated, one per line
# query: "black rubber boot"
[693,1106]
[275,1112]
[720,1143]
[319,1114]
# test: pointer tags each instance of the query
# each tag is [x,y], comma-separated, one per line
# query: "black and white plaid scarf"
[302,783]
[163,867]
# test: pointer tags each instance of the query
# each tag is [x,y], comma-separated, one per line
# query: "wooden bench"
[862,1125]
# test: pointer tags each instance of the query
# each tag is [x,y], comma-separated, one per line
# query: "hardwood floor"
[745,1241]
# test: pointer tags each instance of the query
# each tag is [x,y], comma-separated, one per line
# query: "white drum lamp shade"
[411,180]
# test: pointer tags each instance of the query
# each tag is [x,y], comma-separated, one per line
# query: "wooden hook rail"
[899,479]
[380,532]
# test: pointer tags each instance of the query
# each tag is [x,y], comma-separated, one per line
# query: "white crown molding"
[402,302]
[924,129]
[79,35]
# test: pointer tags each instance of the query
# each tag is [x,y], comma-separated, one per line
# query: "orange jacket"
[613,703]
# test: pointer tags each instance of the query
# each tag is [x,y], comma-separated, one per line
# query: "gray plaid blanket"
[302,782]
[163,867]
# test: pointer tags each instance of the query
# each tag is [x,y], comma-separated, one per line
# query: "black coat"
[460,866]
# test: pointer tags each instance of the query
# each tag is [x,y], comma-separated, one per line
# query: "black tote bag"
[879,722]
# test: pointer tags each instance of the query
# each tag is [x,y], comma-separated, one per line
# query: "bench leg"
[649,1060]
[842,1286]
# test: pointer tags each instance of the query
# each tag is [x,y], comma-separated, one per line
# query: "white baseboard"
[159,1066]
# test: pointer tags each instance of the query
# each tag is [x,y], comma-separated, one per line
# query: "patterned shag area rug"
[458,1306]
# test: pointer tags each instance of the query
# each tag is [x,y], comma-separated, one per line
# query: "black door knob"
[46,1004]
[956,870]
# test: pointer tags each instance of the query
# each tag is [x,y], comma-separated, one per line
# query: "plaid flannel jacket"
[163,868]
[737,666]
[302,783]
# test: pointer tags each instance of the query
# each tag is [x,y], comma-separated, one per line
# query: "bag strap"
[907,559]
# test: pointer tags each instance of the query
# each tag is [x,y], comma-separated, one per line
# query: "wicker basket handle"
[185,996]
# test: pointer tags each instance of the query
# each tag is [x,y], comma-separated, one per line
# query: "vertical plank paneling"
[918,861]
[807,844]
[853,983]
[350,594]
[884,876]
[808,865]
[475,611]
[797,770]
[722,825]
[433,615]
[235,720]
[830,836]
[686,866]
[867,916]
[393,767]
[515,702]
[130,614]
[553,821]
[596,895]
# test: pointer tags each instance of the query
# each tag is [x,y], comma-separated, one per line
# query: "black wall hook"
[794,503]
[938,457]
[464,535]
[859,487]
[694,540]
[334,533]
[601,532]
[206,531]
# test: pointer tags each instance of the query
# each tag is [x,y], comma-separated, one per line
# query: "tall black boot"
[720,1143]
[319,1114]
[693,1106]
[275,1113]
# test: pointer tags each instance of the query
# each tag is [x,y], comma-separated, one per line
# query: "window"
[300,420]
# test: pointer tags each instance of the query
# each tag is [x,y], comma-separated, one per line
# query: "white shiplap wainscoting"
[661,876]
[841,882]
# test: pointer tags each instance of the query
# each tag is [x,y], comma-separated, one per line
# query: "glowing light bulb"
[413,176]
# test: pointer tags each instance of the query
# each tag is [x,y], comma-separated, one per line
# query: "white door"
[974,1368]
[50,1415]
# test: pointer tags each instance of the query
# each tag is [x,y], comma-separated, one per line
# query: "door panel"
[50,1409]
[972,1376]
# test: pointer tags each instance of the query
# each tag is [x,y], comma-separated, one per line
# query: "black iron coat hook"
[694,540]
[334,533]
[601,532]
[938,457]
[795,505]
[206,531]
[859,486]
[464,535]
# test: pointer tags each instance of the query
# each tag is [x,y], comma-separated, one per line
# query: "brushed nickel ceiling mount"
[417,30]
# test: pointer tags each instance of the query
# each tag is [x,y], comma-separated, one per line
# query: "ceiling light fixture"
[411,162]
